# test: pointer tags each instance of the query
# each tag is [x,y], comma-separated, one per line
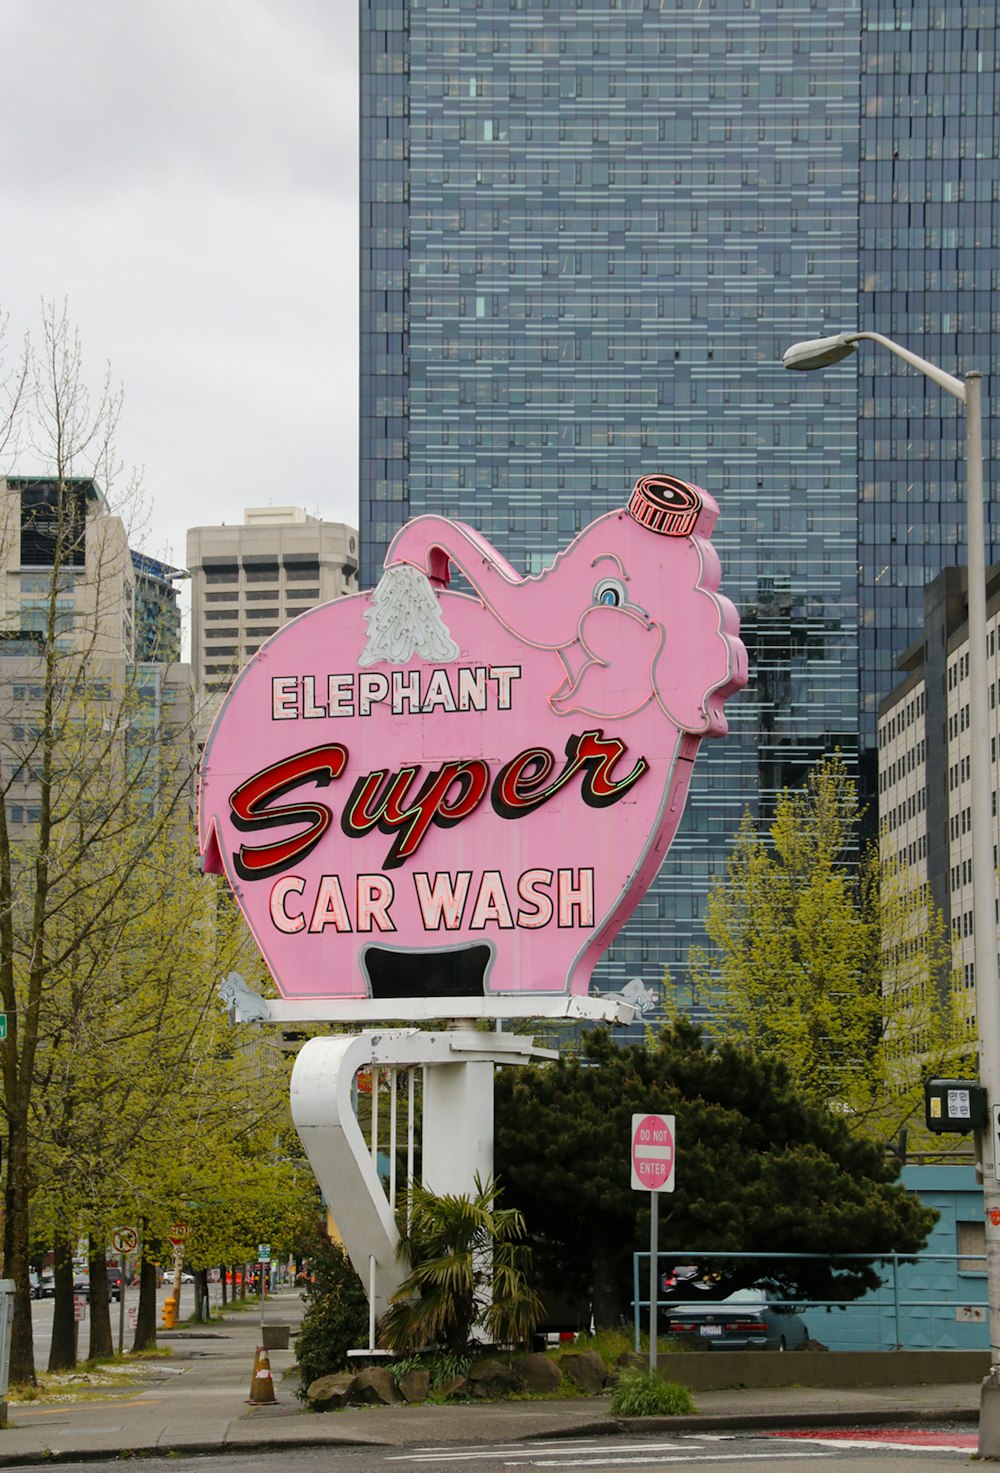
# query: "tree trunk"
[62,1352]
[201,1295]
[145,1324]
[101,1341]
[607,1312]
[15,1252]
[222,1281]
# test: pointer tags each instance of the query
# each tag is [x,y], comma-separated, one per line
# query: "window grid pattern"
[928,277]
[589,232]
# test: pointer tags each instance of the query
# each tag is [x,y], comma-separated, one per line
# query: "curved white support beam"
[323,1111]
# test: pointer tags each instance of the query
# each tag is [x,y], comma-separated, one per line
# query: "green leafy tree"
[836,964]
[129,1038]
[469,1269]
[760,1167]
[84,780]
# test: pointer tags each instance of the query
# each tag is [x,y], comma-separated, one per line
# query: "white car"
[745,1320]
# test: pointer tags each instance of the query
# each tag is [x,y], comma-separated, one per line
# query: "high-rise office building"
[249,578]
[925,765]
[157,611]
[68,590]
[589,230]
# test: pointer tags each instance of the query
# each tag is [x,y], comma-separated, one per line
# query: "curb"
[757,1421]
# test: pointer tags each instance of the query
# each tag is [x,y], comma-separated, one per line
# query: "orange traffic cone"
[261,1387]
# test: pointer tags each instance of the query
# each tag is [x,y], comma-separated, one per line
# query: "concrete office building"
[62,541]
[249,579]
[589,231]
[924,761]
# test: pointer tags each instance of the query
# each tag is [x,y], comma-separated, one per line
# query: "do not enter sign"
[653,1153]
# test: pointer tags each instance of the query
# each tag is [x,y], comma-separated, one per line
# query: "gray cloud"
[185,173]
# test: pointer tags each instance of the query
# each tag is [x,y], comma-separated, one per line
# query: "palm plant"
[468,1275]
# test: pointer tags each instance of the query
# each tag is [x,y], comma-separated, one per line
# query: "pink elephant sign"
[417,792]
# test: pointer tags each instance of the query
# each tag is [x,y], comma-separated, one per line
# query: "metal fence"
[889,1264]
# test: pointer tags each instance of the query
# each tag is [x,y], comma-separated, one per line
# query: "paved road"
[908,1451]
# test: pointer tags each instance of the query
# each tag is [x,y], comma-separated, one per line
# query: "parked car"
[745,1320]
[47,1283]
[81,1284]
[34,1284]
[114,1284]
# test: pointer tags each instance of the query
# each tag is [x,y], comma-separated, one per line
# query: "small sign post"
[653,1162]
[124,1240]
[263,1264]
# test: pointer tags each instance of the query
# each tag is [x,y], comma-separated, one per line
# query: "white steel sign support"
[653,1164]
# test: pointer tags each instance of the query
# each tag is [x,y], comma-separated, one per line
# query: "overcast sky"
[184,172]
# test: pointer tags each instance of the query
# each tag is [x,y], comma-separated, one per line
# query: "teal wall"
[871,1324]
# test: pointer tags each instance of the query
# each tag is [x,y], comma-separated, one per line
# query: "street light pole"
[819,353]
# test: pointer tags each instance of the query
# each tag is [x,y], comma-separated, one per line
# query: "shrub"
[469,1268]
[638,1394]
[336,1316]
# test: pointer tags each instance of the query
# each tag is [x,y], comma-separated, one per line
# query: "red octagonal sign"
[653,1154]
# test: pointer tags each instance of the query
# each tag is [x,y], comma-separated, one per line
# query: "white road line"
[519,1450]
[687,1458]
[644,1457]
[502,1449]
[881,1442]
[550,1444]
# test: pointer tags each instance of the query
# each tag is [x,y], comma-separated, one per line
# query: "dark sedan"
[746,1320]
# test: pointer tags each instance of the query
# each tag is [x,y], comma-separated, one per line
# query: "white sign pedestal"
[457,1137]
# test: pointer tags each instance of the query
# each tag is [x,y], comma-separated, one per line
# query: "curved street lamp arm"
[946,381]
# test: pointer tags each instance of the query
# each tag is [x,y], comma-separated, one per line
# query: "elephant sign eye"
[609,591]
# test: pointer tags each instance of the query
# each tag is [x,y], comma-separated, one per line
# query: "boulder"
[374,1385]
[414,1385]
[456,1387]
[539,1373]
[490,1379]
[586,1370]
[631,1360]
[327,1393]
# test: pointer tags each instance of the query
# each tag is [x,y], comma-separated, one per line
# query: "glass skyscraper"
[589,230]
[928,276]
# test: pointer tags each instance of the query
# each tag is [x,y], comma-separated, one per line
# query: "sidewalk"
[196,1401]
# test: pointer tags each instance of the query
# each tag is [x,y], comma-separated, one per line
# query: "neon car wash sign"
[415,792]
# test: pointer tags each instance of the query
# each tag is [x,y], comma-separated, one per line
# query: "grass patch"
[638,1394]
[91,1378]
[609,1344]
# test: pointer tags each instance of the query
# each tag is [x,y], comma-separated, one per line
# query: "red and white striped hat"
[665,505]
